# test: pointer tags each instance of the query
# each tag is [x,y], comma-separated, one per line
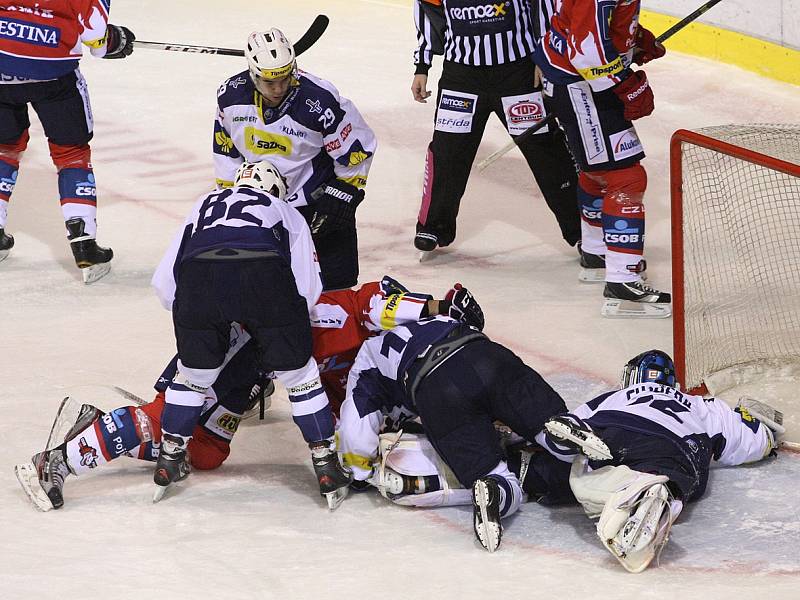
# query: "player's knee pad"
[12,152]
[71,157]
[624,190]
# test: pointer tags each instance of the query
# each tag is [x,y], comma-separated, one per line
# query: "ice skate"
[573,433]
[260,400]
[593,266]
[334,480]
[426,242]
[94,261]
[171,466]
[6,244]
[43,478]
[633,299]
[486,513]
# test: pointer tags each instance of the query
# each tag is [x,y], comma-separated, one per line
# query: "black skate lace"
[645,288]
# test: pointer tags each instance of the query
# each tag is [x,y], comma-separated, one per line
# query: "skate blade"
[336,497]
[591,446]
[4,255]
[592,275]
[159,492]
[627,309]
[95,272]
[488,533]
[426,256]
[29,480]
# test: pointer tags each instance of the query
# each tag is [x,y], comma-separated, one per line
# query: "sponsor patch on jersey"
[30,33]
[223,142]
[523,111]
[455,112]
[594,144]
[346,130]
[355,155]
[328,316]
[625,144]
[333,145]
[263,142]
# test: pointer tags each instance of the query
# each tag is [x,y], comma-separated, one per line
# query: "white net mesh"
[741,252]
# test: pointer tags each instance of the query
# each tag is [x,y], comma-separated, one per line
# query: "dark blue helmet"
[653,366]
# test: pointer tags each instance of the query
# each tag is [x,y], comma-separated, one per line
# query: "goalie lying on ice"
[639,453]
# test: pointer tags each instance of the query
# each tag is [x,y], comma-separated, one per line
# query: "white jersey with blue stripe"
[245,219]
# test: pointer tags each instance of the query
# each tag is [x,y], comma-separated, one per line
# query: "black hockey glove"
[119,41]
[460,304]
[334,206]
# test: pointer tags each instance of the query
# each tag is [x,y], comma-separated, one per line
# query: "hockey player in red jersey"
[586,61]
[40,46]
[341,321]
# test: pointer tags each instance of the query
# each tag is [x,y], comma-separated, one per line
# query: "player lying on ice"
[458,382]
[660,441]
[83,437]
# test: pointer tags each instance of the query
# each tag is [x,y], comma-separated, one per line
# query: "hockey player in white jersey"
[314,136]
[246,256]
[662,444]
[458,382]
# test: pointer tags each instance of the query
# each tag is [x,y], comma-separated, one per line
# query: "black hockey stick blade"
[312,34]
[308,39]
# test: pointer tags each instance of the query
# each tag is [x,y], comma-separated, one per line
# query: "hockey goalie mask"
[263,176]
[653,366]
[271,61]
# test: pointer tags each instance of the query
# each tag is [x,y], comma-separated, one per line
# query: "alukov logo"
[38,35]
[457,104]
[474,13]
[625,143]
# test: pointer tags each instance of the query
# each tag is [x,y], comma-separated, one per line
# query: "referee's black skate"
[6,243]
[93,260]
[634,299]
[334,480]
[172,465]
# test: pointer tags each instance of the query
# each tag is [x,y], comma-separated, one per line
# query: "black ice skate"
[333,479]
[171,466]
[43,478]
[635,299]
[6,243]
[426,242]
[486,512]
[260,400]
[574,434]
[593,266]
[93,260]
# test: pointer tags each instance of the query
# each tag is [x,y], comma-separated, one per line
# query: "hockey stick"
[307,40]
[528,133]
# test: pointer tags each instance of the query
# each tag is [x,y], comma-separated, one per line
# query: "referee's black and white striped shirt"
[478,32]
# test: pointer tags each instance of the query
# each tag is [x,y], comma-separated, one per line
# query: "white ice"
[256,528]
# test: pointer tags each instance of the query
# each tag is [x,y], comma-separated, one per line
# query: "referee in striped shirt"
[487,47]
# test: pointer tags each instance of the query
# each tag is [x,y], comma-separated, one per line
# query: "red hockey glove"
[646,47]
[460,304]
[636,95]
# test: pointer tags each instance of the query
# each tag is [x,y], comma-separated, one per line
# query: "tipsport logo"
[479,13]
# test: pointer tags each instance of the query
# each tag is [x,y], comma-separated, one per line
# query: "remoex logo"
[525,109]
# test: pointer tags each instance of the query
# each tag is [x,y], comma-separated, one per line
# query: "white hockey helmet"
[263,176]
[270,55]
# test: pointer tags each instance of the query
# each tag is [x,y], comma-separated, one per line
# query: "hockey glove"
[334,207]
[119,41]
[636,95]
[646,47]
[460,304]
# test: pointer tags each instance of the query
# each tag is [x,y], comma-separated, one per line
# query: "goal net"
[736,255]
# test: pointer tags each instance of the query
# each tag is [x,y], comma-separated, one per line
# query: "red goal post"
[735,195]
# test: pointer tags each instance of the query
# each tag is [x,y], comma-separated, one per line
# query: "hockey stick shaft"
[661,38]
[308,39]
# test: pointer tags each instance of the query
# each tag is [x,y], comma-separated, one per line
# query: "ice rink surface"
[256,528]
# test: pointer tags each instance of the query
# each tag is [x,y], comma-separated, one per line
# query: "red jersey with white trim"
[44,39]
[343,319]
[591,40]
